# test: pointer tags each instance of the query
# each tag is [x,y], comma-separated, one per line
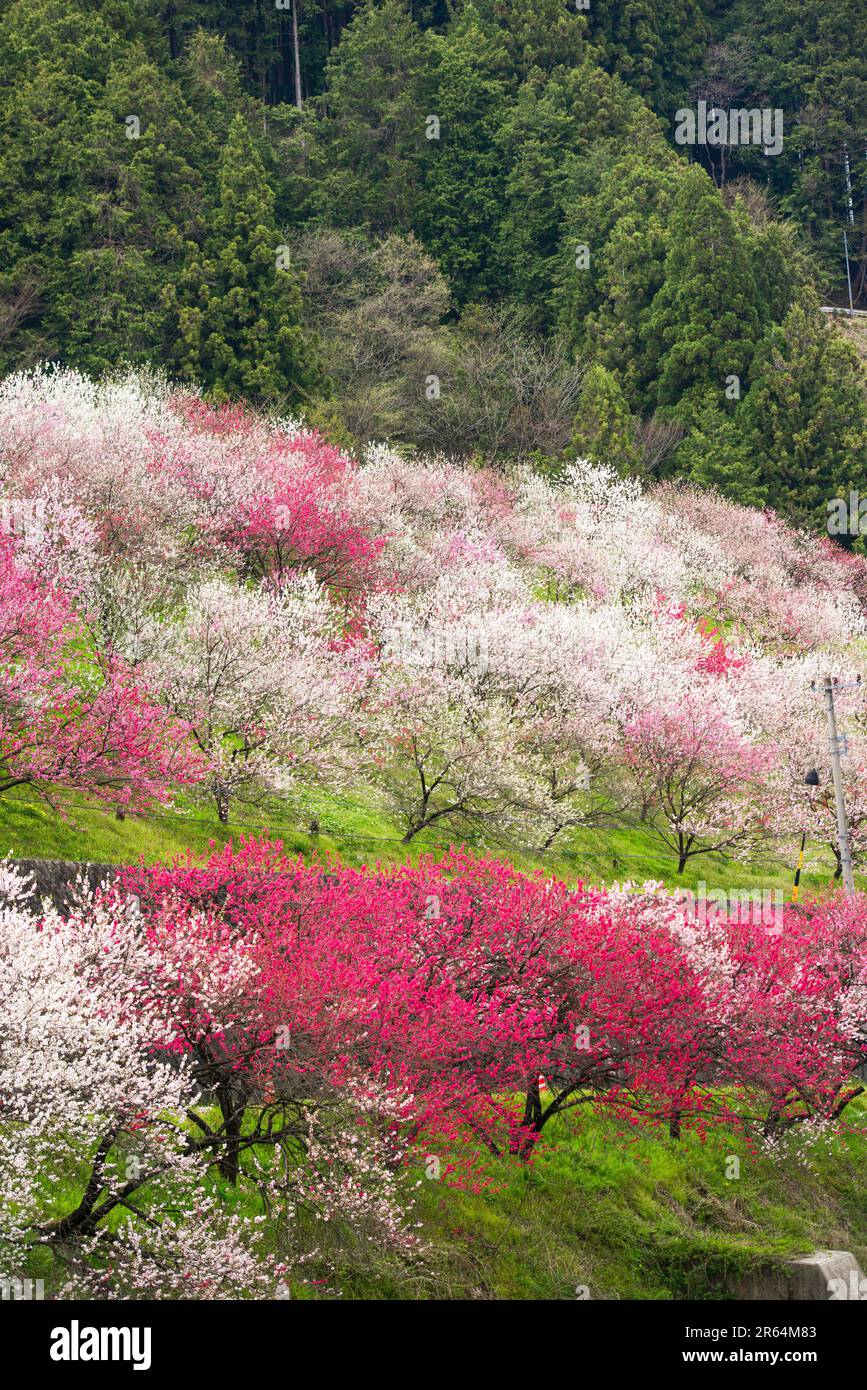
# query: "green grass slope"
[637,1216]
[641,1216]
[359,833]
[628,1215]
[601,1214]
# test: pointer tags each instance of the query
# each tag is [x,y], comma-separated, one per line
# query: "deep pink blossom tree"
[457,987]
[72,715]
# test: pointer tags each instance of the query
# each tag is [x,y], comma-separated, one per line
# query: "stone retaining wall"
[56,879]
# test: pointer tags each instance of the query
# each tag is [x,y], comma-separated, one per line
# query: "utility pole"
[848,272]
[839,746]
[296,57]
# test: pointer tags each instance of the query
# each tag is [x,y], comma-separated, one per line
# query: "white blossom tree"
[263,680]
[109,1151]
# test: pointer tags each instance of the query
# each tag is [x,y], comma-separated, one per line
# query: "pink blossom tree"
[456,985]
[73,715]
[108,1146]
[697,774]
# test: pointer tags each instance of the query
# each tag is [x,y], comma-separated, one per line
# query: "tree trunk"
[230,1160]
[532,1123]
[296,54]
[772,1119]
[221,798]
[81,1221]
[169,15]
[676,1114]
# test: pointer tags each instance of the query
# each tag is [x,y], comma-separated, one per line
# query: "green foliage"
[236,305]
[51,66]
[654,45]
[154,158]
[781,263]
[105,173]
[703,324]
[141,201]
[715,454]
[377,307]
[604,428]
[371,134]
[260,37]
[619,209]
[806,415]
[539,35]
[462,203]
[807,59]
[555,123]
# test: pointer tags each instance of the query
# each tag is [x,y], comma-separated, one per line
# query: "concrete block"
[823,1277]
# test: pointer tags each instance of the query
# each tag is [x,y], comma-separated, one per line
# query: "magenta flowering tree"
[306,1032]
[293,530]
[73,716]
[458,987]
[108,1148]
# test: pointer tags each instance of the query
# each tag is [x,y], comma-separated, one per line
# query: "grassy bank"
[638,1216]
[608,1215]
[624,1214]
[359,833]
